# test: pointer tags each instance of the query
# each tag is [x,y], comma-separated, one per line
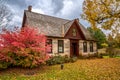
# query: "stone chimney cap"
[30,8]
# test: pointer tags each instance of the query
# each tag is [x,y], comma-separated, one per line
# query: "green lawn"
[109,57]
[118,57]
[93,69]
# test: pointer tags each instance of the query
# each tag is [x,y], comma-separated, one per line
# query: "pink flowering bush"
[25,47]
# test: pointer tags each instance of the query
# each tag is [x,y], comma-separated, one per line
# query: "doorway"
[74,48]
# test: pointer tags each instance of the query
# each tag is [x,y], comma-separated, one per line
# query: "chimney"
[29,8]
[77,19]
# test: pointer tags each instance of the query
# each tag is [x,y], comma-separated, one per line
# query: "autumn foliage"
[25,47]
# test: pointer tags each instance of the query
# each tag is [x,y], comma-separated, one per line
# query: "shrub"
[113,52]
[25,47]
[99,56]
[4,65]
[60,60]
[73,59]
[67,59]
[5,59]
[55,60]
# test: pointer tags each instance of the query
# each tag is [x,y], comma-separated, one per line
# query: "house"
[67,37]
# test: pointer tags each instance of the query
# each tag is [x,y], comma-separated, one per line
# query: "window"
[49,42]
[85,46]
[74,32]
[91,46]
[60,46]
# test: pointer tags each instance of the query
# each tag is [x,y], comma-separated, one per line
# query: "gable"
[74,32]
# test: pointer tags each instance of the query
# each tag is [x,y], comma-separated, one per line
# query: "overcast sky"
[68,9]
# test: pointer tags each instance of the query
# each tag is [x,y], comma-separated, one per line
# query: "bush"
[100,56]
[73,59]
[67,59]
[55,60]
[113,52]
[60,60]
[25,48]
[4,65]
[5,61]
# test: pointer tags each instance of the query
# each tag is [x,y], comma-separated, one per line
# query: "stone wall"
[95,46]
[81,52]
[67,47]
[55,47]
[81,47]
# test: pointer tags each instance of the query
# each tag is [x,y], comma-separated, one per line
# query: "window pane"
[60,46]
[74,32]
[60,49]
[85,46]
[91,46]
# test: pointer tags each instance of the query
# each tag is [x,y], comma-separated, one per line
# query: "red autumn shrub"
[25,47]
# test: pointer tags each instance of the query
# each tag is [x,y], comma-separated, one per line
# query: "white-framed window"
[84,46]
[91,46]
[60,46]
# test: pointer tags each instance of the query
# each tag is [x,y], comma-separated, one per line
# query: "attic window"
[74,32]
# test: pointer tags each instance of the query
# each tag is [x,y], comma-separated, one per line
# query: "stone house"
[67,37]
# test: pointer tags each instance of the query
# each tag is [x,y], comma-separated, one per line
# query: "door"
[74,48]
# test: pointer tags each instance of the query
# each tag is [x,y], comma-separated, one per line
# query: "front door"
[74,48]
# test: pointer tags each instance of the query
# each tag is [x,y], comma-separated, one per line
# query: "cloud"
[38,11]
[45,6]
[17,4]
[69,9]
[57,5]
[72,9]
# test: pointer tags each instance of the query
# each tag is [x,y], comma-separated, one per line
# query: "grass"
[109,57]
[106,57]
[118,57]
[93,69]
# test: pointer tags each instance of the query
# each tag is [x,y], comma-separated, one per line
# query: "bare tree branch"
[5,14]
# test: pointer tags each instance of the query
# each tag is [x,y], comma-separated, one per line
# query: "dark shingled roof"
[52,26]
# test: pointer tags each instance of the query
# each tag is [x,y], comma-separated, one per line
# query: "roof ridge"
[48,15]
[68,22]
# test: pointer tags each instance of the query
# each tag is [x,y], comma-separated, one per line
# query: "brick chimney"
[30,8]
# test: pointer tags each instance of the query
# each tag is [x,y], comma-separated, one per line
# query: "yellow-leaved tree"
[103,14]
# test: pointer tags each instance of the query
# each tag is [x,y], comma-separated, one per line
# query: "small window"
[49,42]
[74,32]
[85,46]
[60,46]
[91,46]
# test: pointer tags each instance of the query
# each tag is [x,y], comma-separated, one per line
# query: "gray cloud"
[69,9]
[17,4]
[57,5]
[72,9]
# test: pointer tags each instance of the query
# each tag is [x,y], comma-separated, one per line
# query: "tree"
[114,42]
[99,36]
[5,14]
[26,48]
[103,13]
